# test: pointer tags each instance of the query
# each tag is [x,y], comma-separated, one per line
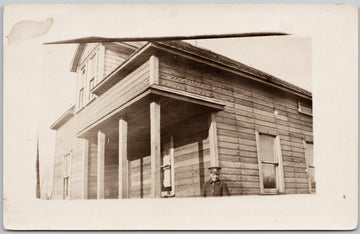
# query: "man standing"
[214,187]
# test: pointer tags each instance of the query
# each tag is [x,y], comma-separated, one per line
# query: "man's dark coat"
[215,189]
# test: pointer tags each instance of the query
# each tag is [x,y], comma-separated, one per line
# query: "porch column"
[85,169]
[155,149]
[213,142]
[100,165]
[123,162]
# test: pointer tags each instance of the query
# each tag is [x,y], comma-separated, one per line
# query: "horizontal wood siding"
[67,143]
[140,181]
[123,91]
[248,106]
[112,60]
[112,168]
[92,169]
[191,156]
[66,140]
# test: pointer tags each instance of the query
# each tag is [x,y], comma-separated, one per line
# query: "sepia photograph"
[156,121]
[158,118]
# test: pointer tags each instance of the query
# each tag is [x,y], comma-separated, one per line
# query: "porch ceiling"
[173,113]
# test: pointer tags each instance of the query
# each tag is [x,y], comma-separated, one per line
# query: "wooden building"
[151,117]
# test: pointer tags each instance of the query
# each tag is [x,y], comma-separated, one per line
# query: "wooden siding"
[111,167]
[249,105]
[191,156]
[140,181]
[66,140]
[67,143]
[126,89]
[112,60]
[92,169]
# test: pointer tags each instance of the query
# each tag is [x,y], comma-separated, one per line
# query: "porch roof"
[69,113]
[152,93]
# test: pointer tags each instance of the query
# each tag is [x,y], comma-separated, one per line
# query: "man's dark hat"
[214,169]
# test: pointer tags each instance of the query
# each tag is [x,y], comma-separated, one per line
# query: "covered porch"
[158,145]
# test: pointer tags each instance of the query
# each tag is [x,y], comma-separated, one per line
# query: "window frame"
[81,102]
[91,95]
[170,166]
[300,109]
[305,143]
[66,178]
[280,181]
[96,57]
[92,75]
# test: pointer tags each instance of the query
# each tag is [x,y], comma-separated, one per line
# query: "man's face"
[214,176]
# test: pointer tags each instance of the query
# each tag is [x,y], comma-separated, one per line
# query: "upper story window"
[81,84]
[81,98]
[87,78]
[304,108]
[93,70]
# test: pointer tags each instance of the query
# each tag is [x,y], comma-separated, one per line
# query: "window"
[81,85]
[309,158]
[91,85]
[81,98]
[92,74]
[270,164]
[305,109]
[167,172]
[93,66]
[66,176]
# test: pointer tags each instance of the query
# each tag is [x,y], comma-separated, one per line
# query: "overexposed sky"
[286,57]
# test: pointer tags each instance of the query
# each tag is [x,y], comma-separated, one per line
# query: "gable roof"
[77,56]
[200,54]
[82,46]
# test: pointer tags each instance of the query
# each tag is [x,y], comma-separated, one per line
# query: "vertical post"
[155,149]
[123,162]
[154,70]
[213,142]
[100,165]
[85,167]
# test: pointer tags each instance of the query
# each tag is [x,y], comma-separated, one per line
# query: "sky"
[286,57]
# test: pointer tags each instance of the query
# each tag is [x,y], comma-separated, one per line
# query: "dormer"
[93,62]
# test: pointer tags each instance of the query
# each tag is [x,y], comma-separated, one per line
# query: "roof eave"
[77,56]
[69,113]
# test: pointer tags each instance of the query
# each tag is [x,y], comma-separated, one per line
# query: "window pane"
[66,187]
[93,66]
[81,98]
[269,175]
[267,148]
[83,76]
[305,108]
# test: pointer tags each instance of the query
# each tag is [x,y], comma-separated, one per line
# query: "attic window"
[305,109]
